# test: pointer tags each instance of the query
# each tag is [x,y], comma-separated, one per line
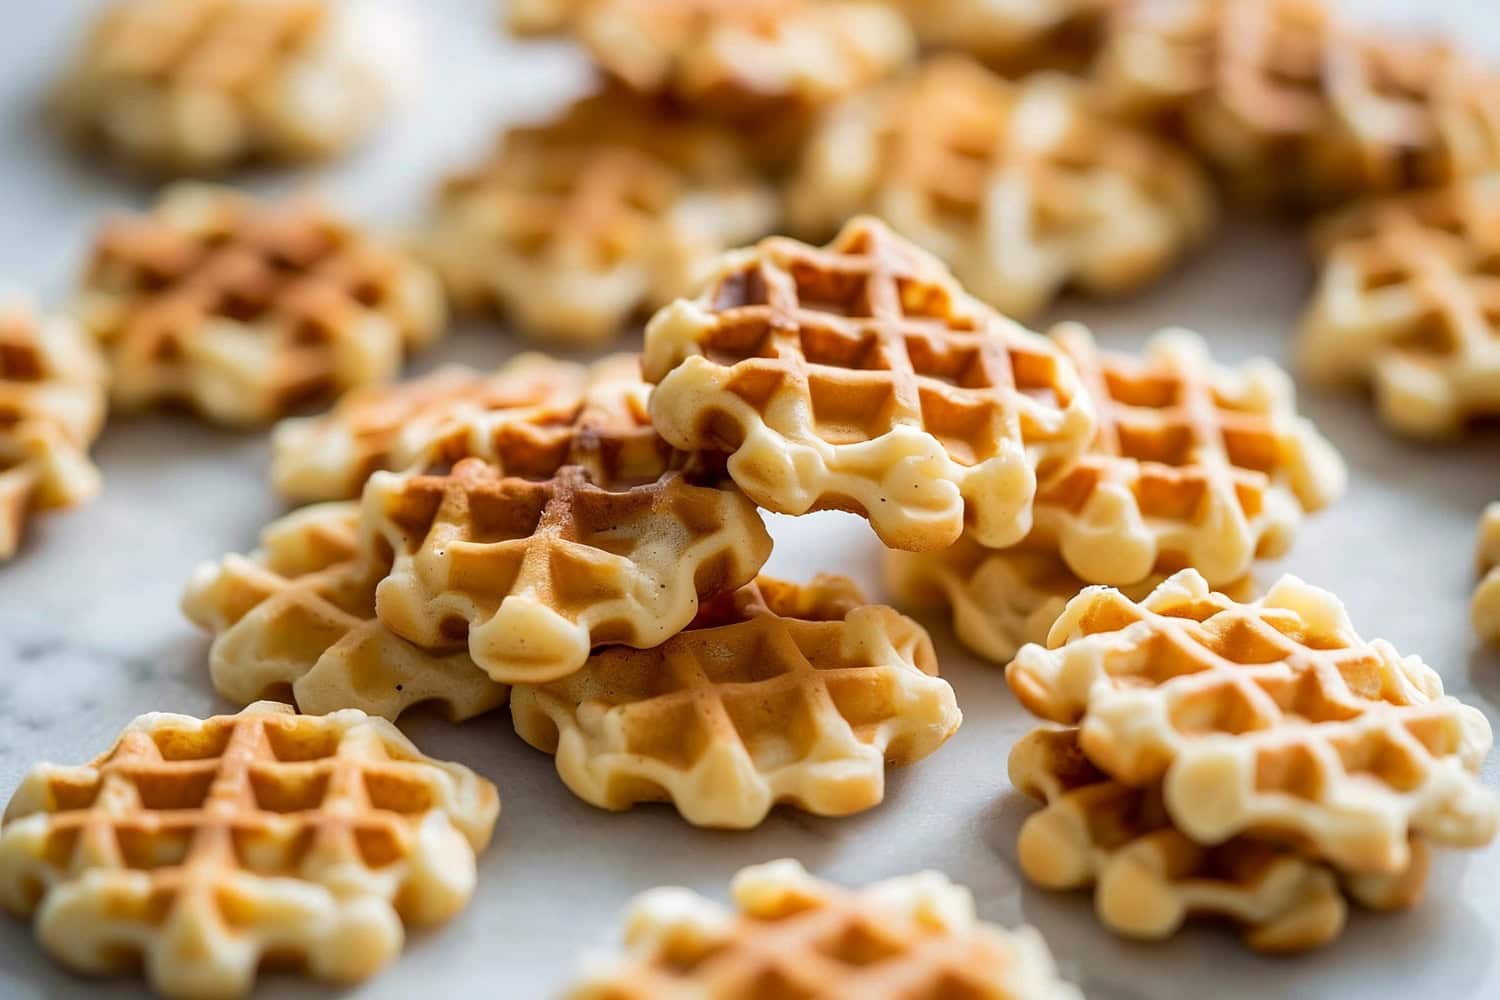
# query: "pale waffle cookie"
[744,56]
[860,377]
[297,617]
[192,86]
[1149,879]
[1271,717]
[1486,604]
[447,414]
[244,310]
[1013,35]
[202,849]
[52,400]
[781,693]
[999,599]
[1294,105]
[578,225]
[1409,301]
[557,536]
[793,935]
[1194,464]
[1021,188]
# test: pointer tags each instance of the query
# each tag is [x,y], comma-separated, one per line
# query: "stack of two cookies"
[541,543]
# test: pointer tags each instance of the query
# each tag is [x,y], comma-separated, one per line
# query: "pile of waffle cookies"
[834,220]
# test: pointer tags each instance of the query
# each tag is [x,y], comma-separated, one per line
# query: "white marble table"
[90,634]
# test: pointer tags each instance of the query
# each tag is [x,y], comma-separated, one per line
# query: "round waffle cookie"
[1271,717]
[577,225]
[52,399]
[297,617]
[244,310]
[1023,188]
[202,848]
[860,377]
[792,935]
[1486,604]
[190,86]
[536,535]
[1149,878]
[780,692]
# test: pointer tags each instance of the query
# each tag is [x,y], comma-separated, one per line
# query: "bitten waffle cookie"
[1296,106]
[1486,606]
[190,86]
[1409,301]
[781,692]
[242,310]
[744,56]
[559,536]
[1013,35]
[298,616]
[1272,718]
[576,226]
[791,934]
[860,377]
[1149,879]
[199,849]
[51,409]
[1022,188]
[1193,465]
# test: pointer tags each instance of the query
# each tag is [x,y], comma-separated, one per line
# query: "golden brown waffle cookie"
[577,225]
[1021,188]
[449,414]
[244,309]
[860,377]
[1409,301]
[560,535]
[999,599]
[199,848]
[1271,717]
[1013,35]
[297,616]
[540,17]
[1149,878]
[1486,605]
[1193,465]
[744,56]
[51,409]
[782,692]
[203,85]
[793,935]
[1295,105]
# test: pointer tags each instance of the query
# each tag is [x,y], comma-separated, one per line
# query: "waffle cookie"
[999,599]
[1149,878]
[578,225]
[192,86]
[1271,717]
[1022,188]
[202,848]
[860,377]
[244,310]
[1409,302]
[447,414]
[297,617]
[744,57]
[1295,106]
[540,17]
[1193,465]
[791,934]
[1486,605]
[781,692]
[557,536]
[1013,35]
[51,408]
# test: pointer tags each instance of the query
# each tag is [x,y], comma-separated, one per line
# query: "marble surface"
[90,633]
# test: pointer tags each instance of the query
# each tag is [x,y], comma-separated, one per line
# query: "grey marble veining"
[90,633]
